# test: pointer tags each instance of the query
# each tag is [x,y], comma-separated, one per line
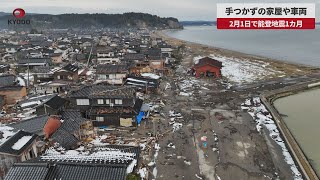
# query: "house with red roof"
[207,67]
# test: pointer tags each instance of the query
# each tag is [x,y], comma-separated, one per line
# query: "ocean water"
[295,46]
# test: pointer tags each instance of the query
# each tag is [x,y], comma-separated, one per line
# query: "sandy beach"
[283,68]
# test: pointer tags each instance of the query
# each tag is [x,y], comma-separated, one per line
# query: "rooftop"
[7,80]
[71,171]
[104,91]
[208,61]
[16,144]
[110,69]
[33,125]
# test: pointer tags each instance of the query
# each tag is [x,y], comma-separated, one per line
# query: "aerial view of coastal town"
[159,90]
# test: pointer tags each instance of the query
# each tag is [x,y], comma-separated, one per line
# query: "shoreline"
[295,148]
[288,68]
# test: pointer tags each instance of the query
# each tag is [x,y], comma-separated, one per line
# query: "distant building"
[31,63]
[113,74]
[67,73]
[56,58]
[10,90]
[207,67]
[42,74]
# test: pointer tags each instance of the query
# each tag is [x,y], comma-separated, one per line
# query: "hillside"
[198,23]
[134,20]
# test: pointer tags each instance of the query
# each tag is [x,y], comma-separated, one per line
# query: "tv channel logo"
[19,13]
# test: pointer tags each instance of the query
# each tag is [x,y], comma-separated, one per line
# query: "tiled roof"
[28,171]
[208,61]
[33,125]
[153,52]
[65,138]
[69,171]
[41,98]
[35,60]
[72,120]
[7,80]
[6,147]
[71,123]
[41,69]
[104,91]
[55,102]
[132,56]
[72,171]
[110,69]
[71,68]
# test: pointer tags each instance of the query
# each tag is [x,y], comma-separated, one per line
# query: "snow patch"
[7,133]
[241,70]
[263,118]
[21,142]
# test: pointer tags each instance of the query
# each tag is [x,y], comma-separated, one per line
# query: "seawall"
[267,99]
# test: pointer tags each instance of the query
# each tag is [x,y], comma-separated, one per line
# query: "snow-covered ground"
[263,118]
[7,133]
[188,86]
[242,71]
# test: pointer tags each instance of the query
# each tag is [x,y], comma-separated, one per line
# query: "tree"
[133,177]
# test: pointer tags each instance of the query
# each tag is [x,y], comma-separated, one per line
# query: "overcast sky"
[181,9]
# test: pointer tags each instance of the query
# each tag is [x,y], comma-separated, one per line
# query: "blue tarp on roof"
[139,117]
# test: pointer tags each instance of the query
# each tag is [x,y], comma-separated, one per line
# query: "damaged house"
[139,63]
[107,105]
[65,129]
[67,73]
[207,67]
[18,148]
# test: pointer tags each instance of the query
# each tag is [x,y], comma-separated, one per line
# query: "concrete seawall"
[267,99]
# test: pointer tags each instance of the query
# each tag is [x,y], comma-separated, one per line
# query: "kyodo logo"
[18,13]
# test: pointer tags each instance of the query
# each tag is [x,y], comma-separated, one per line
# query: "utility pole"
[28,76]
[89,55]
